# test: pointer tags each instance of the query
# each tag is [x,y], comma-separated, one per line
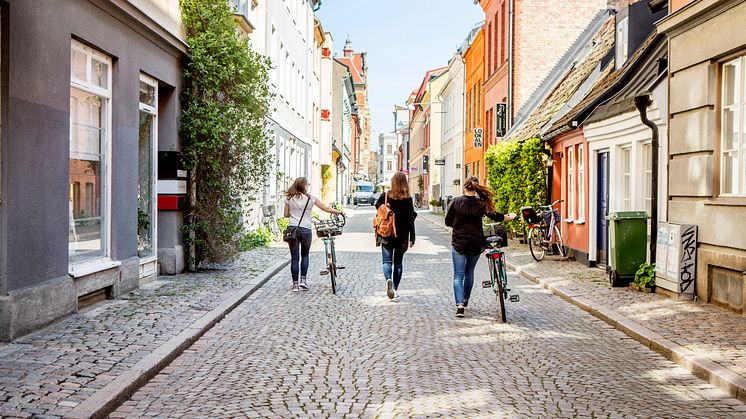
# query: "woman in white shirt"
[298,206]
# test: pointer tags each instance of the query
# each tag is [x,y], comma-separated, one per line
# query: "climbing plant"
[517,175]
[226,100]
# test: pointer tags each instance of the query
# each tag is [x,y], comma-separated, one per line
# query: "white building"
[452,138]
[389,145]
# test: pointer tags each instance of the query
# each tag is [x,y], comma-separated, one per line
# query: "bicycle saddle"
[495,240]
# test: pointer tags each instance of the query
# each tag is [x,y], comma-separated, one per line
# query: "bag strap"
[386,198]
[300,220]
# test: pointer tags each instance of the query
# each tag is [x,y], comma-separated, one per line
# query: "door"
[602,209]
[146,186]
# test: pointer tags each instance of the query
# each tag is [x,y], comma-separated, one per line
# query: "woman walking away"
[298,207]
[394,246]
[465,216]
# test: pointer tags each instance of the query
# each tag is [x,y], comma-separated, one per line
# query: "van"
[364,193]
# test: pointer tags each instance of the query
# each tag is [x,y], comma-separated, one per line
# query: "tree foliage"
[517,175]
[226,101]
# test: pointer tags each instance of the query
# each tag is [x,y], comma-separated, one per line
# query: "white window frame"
[625,168]
[86,267]
[647,178]
[570,178]
[738,107]
[622,42]
[581,184]
[148,265]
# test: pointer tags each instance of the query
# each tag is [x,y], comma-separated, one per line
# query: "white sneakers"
[396,296]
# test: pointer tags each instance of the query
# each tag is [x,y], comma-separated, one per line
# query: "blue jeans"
[463,275]
[299,253]
[393,258]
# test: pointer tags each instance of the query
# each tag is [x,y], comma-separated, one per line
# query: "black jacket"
[404,216]
[465,216]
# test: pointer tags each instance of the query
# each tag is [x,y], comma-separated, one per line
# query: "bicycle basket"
[529,215]
[546,215]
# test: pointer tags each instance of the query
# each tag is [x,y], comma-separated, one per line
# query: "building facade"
[389,146]
[95,85]
[474,144]
[452,138]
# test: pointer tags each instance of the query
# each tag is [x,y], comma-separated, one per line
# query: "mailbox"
[172,181]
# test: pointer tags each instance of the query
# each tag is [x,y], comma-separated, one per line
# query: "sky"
[403,39]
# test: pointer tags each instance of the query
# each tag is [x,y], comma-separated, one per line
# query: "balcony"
[243,11]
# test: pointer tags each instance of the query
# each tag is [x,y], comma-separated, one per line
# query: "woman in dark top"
[465,216]
[394,247]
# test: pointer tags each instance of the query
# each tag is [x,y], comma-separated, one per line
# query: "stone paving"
[51,371]
[356,354]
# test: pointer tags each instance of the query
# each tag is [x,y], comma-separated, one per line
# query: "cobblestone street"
[282,354]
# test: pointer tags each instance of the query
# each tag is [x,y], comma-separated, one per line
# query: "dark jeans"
[392,263]
[299,253]
[463,275]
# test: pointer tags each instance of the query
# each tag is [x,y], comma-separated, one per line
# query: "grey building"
[89,108]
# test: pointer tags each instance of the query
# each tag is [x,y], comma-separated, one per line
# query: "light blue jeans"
[463,275]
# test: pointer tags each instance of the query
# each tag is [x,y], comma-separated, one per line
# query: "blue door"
[602,209]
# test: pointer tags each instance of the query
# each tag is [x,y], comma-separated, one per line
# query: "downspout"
[642,102]
[510,64]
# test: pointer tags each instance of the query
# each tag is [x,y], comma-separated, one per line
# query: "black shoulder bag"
[291,232]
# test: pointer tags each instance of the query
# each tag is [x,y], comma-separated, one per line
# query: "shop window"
[570,182]
[90,141]
[581,183]
[732,146]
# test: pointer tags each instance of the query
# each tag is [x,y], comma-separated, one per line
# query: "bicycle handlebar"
[552,204]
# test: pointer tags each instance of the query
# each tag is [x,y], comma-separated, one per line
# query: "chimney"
[348,48]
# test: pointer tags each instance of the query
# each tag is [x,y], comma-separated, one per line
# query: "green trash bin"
[628,236]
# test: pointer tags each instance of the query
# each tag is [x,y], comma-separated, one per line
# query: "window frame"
[580,165]
[147,264]
[625,201]
[740,112]
[647,176]
[97,263]
[570,183]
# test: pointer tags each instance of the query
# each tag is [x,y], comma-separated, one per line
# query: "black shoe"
[466,304]
[459,312]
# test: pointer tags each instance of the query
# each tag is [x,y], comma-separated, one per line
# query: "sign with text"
[501,124]
[478,138]
[440,162]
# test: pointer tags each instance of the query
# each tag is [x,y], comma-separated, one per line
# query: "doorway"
[602,209]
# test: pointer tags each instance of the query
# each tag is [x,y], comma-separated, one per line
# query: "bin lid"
[627,215]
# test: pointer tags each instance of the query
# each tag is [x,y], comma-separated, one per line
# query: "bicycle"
[270,221]
[498,272]
[327,230]
[543,232]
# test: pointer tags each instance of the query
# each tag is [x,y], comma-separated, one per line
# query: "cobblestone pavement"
[51,371]
[356,354]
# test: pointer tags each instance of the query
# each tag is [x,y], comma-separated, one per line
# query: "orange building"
[474,115]
[496,68]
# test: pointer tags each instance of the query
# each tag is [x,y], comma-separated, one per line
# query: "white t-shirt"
[296,205]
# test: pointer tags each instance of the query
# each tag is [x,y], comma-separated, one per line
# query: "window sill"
[87,268]
[580,221]
[569,220]
[728,202]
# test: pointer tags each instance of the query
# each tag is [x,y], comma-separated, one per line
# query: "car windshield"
[364,188]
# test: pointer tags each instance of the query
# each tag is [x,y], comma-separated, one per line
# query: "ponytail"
[485,194]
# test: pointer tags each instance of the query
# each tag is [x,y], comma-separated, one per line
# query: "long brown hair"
[485,194]
[399,186]
[298,188]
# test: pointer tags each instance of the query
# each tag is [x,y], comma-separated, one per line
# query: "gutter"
[642,102]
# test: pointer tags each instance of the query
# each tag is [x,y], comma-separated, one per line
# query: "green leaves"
[226,102]
[645,275]
[516,173]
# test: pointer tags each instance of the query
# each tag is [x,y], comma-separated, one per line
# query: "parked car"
[364,193]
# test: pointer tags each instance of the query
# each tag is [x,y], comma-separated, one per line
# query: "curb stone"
[702,367]
[108,398]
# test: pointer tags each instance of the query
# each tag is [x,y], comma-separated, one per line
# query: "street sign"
[477,137]
[440,162]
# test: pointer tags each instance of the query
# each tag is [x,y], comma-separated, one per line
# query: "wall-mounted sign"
[440,162]
[414,169]
[478,138]
[501,124]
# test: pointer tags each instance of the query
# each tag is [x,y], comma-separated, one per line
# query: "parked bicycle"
[498,272]
[327,230]
[269,220]
[543,231]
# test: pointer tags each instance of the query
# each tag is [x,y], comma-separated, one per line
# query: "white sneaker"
[390,292]
[396,296]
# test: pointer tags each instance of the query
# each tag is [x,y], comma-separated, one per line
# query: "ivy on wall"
[226,100]
[516,173]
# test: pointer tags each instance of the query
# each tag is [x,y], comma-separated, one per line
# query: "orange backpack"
[384,222]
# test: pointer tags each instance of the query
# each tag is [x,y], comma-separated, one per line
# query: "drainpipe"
[550,172]
[642,102]
[510,64]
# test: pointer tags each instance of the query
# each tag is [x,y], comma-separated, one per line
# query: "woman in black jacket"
[465,216]
[394,247]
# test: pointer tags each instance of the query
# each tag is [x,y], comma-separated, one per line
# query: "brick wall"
[540,40]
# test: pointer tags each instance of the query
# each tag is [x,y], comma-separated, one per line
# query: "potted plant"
[645,278]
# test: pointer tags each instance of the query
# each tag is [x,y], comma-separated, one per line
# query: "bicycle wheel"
[534,243]
[274,231]
[558,242]
[500,290]
[333,276]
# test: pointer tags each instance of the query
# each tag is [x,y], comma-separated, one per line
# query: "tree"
[226,101]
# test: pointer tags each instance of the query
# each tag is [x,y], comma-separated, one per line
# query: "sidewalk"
[707,340]
[85,363]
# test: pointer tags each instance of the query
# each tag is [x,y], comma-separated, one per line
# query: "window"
[647,158]
[146,192]
[489,49]
[570,182]
[389,164]
[467,169]
[389,149]
[622,42]
[503,30]
[495,41]
[90,115]
[732,144]
[581,183]
[624,161]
